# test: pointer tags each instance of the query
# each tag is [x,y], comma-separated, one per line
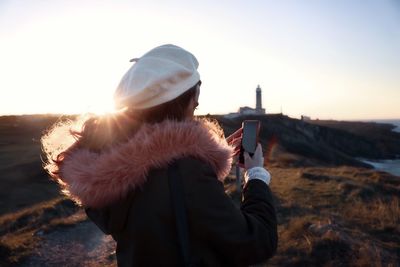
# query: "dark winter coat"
[125,192]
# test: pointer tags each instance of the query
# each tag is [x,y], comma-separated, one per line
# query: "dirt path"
[81,244]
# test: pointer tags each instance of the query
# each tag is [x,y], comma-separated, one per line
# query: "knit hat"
[159,76]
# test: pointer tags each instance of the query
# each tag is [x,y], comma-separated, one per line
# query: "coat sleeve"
[242,236]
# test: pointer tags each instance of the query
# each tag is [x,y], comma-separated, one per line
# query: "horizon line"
[215,114]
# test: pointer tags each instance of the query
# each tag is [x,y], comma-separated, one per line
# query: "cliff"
[311,143]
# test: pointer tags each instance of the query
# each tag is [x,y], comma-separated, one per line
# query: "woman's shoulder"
[191,162]
[195,169]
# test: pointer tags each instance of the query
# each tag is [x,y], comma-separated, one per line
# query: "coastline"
[391,166]
[395,122]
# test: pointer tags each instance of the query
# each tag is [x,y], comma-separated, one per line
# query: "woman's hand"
[254,166]
[257,160]
[235,140]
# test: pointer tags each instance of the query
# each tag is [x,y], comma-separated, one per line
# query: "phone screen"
[251,128]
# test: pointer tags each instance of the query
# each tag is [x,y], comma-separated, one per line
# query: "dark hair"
[101,132]
[175,109]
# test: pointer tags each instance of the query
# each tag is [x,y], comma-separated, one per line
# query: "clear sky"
[337,59]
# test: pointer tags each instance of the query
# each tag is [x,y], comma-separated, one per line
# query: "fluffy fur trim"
[98,179]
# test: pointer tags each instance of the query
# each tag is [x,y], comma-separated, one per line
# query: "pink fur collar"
[98,179]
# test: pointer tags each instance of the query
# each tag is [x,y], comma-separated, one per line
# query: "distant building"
[305,118]
[246,110]
[259,109]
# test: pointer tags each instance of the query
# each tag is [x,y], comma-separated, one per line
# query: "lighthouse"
[259,109]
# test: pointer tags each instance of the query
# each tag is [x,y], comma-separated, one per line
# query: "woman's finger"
[236,134]
[236,153]
[258,150]
[236,142]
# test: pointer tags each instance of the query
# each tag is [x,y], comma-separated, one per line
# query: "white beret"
[159,76]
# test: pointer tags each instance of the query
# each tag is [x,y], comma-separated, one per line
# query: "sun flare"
[103,107]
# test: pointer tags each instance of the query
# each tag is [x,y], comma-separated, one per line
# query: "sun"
[102,107]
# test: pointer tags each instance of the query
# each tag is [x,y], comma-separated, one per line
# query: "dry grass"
[76,253]
[378,214]
[338,216]
[16,246]
[20,232]
[37,215]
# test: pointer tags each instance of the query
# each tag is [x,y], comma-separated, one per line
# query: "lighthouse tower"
[259,109]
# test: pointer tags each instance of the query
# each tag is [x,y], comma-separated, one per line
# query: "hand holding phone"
[250,132]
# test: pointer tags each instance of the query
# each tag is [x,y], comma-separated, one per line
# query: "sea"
[390,165]
[394,122]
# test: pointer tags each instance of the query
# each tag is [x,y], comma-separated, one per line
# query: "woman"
[118,167]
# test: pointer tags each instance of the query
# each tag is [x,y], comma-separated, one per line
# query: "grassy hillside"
[327,216]
[342,216]
[332,210]
[385,141]
[23,180]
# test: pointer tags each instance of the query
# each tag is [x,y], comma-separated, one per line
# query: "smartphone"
[251,129]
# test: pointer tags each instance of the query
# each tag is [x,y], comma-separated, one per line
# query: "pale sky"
[333,59]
